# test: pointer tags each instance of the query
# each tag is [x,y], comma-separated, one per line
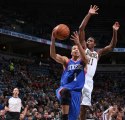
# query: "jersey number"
[90,61]
[75,75]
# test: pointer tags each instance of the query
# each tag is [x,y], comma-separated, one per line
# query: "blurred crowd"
[37,87]
[37,82]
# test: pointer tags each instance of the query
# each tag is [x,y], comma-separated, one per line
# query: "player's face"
[16,91]
[75,51]
[91,43]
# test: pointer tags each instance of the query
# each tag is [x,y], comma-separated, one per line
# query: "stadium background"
[25,30]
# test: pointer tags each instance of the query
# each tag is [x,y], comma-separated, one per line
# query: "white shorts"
[87,91]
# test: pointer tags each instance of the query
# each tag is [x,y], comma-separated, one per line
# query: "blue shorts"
[74,107]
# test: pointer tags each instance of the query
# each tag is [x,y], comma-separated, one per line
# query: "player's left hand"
[116,26]
[75,37]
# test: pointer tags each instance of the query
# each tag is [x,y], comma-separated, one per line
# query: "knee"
[83,108]
[65,97]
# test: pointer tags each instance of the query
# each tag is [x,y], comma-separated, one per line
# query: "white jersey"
[92,64]
[88,86]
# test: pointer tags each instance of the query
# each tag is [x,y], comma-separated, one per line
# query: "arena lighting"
[4,47]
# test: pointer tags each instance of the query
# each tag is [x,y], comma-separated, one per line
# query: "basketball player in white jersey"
[93,58]
[109,113]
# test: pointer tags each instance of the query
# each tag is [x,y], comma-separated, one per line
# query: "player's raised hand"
[75,37]
[116,26]
[93,10]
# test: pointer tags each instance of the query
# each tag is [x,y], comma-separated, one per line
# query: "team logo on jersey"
[76,66]
[94,55]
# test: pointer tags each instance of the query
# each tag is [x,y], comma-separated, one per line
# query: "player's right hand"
[93,10]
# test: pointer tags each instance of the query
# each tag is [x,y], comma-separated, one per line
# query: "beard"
[76,54]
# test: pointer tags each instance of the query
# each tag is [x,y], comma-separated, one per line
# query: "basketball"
[61,31]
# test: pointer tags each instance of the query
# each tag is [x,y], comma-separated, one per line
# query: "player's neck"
[91,49]
[75,58]
[15,96]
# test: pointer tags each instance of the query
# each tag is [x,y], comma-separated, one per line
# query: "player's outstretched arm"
[58,58]
[113,42]
[92,11]
[75,38]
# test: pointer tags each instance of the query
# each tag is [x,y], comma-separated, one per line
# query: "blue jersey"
[73,76]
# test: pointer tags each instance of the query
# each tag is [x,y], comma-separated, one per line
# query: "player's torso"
[92,64]
[73,74]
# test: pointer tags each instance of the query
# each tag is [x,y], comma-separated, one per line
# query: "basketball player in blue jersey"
[72,80]
[93,57]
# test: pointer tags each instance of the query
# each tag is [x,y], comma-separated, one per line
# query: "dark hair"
[72,46]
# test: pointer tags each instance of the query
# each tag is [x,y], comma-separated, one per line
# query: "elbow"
[111,47]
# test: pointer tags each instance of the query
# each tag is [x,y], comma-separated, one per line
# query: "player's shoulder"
[95,51]
[88,50]
[66,61]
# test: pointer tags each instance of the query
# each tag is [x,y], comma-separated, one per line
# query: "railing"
[32,38]
[45,41]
